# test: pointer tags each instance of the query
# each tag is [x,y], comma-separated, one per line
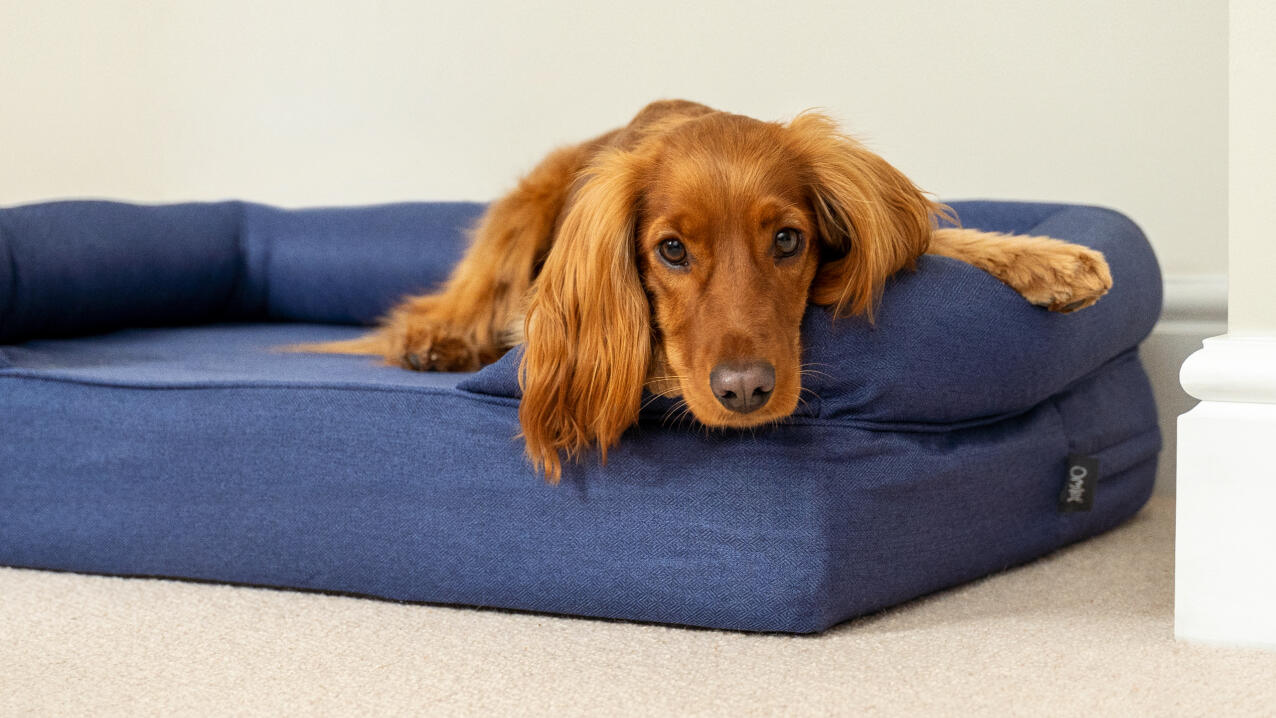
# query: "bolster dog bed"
[148,428]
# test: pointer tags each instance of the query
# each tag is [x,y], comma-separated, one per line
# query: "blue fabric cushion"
[934,453]
[83,267]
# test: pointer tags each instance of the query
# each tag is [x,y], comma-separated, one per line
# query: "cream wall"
[1252,169]
[1115,103]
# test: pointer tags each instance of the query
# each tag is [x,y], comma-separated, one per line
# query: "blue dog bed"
[149,429]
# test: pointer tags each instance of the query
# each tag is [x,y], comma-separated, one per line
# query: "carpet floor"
[1086,631]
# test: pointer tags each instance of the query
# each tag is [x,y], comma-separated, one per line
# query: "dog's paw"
[421,346]
[1062,277]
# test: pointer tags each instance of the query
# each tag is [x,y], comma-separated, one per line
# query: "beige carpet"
[1086,632]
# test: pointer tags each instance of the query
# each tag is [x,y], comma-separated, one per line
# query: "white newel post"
[1225,557]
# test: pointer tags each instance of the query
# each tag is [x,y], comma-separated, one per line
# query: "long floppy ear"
[872,220]
[588,326]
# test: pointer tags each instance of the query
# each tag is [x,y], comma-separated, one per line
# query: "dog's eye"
[673,252]
[787,242]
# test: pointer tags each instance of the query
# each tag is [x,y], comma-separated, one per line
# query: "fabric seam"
[901,427]
[11,301]
[267,252]
[241,268]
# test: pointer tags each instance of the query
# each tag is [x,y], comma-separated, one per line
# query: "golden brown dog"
[678,253]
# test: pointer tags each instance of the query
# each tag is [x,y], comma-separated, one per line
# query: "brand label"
[1078,485]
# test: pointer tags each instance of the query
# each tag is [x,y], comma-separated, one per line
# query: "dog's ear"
[588,326]
[871,219]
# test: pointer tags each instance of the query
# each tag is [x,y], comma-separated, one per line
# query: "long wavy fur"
[587,331]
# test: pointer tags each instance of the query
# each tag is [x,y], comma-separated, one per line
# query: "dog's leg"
[1052,273]
[475,318]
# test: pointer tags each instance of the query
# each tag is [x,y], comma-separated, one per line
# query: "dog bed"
[150,429]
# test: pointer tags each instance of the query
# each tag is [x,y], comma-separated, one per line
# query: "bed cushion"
[936,449]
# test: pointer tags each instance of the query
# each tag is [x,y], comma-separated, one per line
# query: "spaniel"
[677,254]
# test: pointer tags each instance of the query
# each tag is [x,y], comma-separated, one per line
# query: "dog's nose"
[744,386]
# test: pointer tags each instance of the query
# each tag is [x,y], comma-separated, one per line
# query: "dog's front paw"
[1062,277]
[422,346]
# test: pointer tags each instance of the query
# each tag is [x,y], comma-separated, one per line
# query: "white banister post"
[1225,553]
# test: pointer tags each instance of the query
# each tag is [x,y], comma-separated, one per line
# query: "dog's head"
[685,264]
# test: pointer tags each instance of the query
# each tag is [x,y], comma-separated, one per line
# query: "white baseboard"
[1195,308]
[1224,580]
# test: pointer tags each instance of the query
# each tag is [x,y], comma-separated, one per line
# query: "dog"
[677,254]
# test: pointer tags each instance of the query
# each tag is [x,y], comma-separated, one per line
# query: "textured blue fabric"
[76,267]
[933,454]
[83,267]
